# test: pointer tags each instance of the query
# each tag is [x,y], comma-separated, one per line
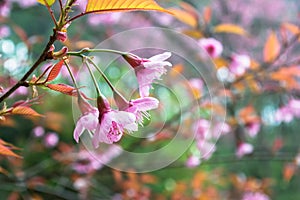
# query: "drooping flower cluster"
[107,124]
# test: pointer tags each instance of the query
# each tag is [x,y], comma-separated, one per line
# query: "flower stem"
[87,50]
[93,78]
[71,74]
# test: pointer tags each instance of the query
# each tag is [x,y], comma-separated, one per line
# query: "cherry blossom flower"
[89,120]
[252,128]
[212,46]
[51,140]
[112,123]
[192,161]
[244,149]
[239,64]
[147,70]
[38,131]
[255,196]
[288,112]
[140,106]
[4,31]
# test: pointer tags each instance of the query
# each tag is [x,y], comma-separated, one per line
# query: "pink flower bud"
[239,64]
[62,36]
[38,131]
[244,149]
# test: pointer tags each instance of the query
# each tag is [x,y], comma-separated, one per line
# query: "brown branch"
[22,81]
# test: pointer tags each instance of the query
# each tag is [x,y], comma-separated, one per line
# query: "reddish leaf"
[5,149]
[63,88]
[272,48]
[24,110]
[55,71]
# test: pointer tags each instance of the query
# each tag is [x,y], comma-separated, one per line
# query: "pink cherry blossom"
[112,125]
[38,131]
[147,70]
[253,128]
[51,140]
[284,114]
[89,121]
[255,196]
[193,161]
[294,105]
[239,64]
[140,106]
[4,31]
[212,46]
[244,149]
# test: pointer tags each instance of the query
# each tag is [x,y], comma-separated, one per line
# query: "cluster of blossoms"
[238,63]
[50,139]
[288,112]
[107,124]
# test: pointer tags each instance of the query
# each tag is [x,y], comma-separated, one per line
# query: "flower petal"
[145,104]
[78,130]
[161,57]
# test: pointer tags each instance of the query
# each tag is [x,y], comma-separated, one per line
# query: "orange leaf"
[289,171]
[122,5]
[272,48]
[5,149]
[63,88]
[291,27]
[55,71]
[230,28]
[207,14]
[24,110]
[184,17]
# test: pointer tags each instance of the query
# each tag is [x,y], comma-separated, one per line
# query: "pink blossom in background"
[284,114]
[213,47]
[294,105]
[220,129]
[4,31]
[255,196]
[206,149]
[192,161]
[147,70]
[239,64]
[38,131]
[5,7]
[244,149]
[252,128]
[140,106]
[196,83]
[106,19]
[26,3]
[201,129]
[51,140]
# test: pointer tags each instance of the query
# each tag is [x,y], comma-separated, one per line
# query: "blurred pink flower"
[284,114]
[140,106]
[253,128]
[294,105]
[5,7]
[38,131]
[239,64]
[212,46]
[244,149]
[51,140]
[196,83]
[4,31]
[148,69]
[206,149]
[201,128]
[255,196]
[26,3]
[106,19]
[192,161]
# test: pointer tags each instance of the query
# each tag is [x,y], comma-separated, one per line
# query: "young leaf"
[122,5]
[49,2]
[230,28]
[185,17]
[24,110]
[55,71]
[63,88]
[5,149]
[272,48]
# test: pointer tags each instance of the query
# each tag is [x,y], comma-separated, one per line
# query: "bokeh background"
[54,166]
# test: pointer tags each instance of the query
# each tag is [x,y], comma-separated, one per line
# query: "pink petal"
[161,57]
[146,103]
